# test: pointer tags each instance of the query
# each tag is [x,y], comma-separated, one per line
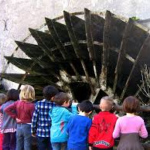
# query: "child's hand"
[33,134]
[18,120]
[90,147]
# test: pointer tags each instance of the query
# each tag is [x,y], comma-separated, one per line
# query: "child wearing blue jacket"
[78,127]
[60,117]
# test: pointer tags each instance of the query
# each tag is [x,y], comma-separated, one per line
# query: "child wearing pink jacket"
[130,127]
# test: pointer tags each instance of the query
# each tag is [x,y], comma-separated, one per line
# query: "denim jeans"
[59,146]
[9,141]
[23,135]
[43,143]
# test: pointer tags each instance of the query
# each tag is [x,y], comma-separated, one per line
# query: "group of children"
[60,124]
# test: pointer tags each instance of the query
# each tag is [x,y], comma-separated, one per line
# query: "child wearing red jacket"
[100,134]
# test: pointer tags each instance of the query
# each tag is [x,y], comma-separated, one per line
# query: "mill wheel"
[88,55]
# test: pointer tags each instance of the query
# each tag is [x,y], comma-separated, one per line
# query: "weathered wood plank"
[24,64]
[145,47]
[105,55]
[122,53]
[45,41]
[78,51]
[35,53]
[89,37]
[55,34]
[113,27]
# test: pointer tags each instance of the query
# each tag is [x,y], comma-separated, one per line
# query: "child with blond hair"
[2,101]
[100,134]
[22,111]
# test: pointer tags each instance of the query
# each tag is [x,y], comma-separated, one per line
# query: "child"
[2,101]
[41,121]
[22,111]
[60,117]
[78,127]
[9,124]
[100,134]
[130,126]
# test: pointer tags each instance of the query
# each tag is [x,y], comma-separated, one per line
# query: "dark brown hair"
[60,98]
[85,106]
[13,95]
[49,92]
[131,104]
[3,98]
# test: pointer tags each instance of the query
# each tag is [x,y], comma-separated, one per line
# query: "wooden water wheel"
[89,57]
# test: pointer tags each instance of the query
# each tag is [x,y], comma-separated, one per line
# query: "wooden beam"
[45,41]
[34,52]
[61,47]
[143,49]
[76,47]
[89,37]
[55,35]
[23,64]
[30,78]
[29,67]
[122,53]
[105,55]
